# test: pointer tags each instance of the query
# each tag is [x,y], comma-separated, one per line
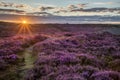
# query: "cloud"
[61,10]
[77,6]
[23,6]
[40,14]
[4,4]
[82,5]
[83,9]
[88,11]
[97,10]
[13,11]
[69,10]
[14,5]
[44,8]
[105,3]
[71,7]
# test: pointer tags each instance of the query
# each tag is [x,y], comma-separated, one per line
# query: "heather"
[11,52]
[60,52]
[87,56]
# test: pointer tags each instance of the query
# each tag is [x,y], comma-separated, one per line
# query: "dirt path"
[28,61]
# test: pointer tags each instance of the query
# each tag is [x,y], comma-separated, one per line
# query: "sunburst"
[24,22]
[25,28]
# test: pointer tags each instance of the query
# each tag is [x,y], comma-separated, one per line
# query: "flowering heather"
[60,53]
[87,56]
[106,75]
[12,47]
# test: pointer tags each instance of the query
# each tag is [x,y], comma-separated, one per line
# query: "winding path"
[28,62]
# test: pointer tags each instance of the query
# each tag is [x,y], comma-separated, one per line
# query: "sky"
[60,8]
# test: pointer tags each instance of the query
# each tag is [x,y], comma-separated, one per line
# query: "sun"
[24,22]
[25,28]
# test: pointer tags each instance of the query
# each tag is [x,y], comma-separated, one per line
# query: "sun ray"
[25,29]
